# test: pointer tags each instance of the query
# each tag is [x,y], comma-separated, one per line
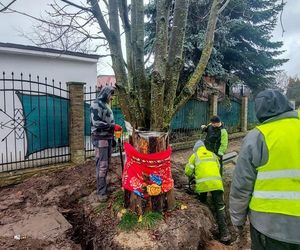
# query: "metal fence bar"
[30,123]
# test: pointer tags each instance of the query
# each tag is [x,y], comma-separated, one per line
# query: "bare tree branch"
[76,5]
[5,7]
[100,18]
[223,7]
[281,23]
[74,29]
[124,15]
[189,88]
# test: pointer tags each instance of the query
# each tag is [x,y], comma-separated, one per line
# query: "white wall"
[60,69]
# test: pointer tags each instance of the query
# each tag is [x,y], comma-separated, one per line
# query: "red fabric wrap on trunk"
[139,167]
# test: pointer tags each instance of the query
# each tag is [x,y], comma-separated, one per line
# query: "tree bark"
[143,87]
[160,58]
[174,63]
[189,88]
[127,28]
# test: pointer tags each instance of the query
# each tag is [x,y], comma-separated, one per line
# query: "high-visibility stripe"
[274,195]
[289,173]
[198,161]
[190,165]
[208,179]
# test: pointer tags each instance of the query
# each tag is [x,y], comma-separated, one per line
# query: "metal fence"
[229,111]
[252,120]
[186,124]
[34,125]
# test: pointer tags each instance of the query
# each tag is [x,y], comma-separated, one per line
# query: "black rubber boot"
[225,236]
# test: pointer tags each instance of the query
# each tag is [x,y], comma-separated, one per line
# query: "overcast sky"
[11,25]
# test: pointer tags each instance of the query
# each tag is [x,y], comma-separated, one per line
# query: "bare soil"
[61,211]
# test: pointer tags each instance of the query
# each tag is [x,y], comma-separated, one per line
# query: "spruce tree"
[243,51]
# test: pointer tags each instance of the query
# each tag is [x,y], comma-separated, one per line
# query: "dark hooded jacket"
[216,139]
[270,105]
[102,118]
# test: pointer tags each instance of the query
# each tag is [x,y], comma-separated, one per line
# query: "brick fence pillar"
[244,114]
[76,118]
[213,105]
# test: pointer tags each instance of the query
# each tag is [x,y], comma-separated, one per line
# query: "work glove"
[220,153]
[117,127]
[203,127]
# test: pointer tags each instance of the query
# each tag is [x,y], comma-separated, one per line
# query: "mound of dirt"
[61,211]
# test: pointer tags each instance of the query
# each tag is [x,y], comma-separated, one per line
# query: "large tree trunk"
[147,143]
[190,86]
[159,66]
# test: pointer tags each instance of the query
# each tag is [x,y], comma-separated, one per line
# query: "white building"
[33,102]
[62,66]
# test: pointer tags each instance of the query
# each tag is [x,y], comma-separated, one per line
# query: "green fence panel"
[230,114]
[46,121]
[119,117]
[87,119]
[252,120]
[191,116]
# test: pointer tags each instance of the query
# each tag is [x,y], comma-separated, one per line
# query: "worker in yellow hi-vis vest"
[266,179]
[204,168]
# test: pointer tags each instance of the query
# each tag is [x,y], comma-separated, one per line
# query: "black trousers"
[221,164]
[217,197]
[260,241]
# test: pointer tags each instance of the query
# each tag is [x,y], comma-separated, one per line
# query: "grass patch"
[150,219]
[178,204]
[128,222]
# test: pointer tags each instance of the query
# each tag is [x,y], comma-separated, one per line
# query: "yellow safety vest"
[277,186]
[204,166]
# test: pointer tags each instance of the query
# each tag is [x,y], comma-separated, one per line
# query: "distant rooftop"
[15,47]
[106,80]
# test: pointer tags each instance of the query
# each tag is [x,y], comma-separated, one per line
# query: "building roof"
[106,80]
[34,50]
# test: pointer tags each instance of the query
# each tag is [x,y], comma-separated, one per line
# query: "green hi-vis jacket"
[204,166]
[277,186]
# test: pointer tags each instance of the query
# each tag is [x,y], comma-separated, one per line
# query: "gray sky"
[12,24]
[291,36]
